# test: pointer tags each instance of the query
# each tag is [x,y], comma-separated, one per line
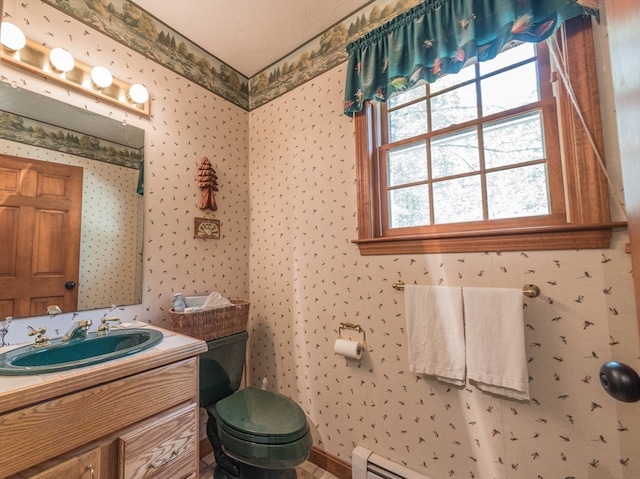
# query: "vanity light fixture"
[12,37]
[57,64]
[101,77]
[61,60]
[138,93]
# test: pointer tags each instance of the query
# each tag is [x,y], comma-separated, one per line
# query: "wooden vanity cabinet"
[79,466]
[143,425]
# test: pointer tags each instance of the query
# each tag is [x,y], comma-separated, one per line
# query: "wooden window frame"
[586,223]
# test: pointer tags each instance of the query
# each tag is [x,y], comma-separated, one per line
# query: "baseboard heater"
[367,465]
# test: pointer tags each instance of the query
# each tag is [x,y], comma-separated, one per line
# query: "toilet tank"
[221,367]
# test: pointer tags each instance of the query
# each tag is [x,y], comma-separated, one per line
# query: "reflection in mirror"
[36,129]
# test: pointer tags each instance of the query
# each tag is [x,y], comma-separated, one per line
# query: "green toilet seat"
[263,429]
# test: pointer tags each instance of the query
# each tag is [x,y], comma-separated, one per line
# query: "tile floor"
[307,470]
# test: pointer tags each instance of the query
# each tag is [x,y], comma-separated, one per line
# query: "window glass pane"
[513,140]
[457,200]
[409,206]
[407,164]
[518,192]
[454,107]
[508,57]
[446,81]
[509,89]
[455,154]
[408,121]
[406,96]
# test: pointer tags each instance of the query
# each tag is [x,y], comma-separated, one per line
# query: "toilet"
[255,433]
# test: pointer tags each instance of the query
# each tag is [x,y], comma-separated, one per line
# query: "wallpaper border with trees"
[137,29]
[36,133]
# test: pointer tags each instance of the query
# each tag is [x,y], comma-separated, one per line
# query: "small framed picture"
[206,228]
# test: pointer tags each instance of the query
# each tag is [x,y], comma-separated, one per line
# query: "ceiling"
[250,35]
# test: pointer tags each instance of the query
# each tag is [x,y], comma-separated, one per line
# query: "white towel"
[496,356]
[435,331]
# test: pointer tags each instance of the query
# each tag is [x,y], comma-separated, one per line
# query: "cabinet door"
[84,466]
[164,447]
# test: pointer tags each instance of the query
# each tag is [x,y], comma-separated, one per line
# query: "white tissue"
[199,303]
[215,300]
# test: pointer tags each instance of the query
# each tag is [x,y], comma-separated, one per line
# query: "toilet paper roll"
[348,349]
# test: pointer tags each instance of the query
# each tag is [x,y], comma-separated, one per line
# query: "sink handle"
[41,339]
[104,327]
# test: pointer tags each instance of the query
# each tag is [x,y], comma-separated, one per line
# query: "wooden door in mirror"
[40,214]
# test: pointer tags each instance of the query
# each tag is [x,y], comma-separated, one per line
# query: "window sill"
[562,237]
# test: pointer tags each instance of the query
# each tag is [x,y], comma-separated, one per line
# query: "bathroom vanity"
[125,419]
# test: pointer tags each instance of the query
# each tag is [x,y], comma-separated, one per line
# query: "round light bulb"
[101,77]
[61,60]
[138,93]
[12,37]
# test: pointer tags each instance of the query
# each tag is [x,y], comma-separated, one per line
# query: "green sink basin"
[77,353]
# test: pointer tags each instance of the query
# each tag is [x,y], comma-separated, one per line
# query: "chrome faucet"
[78,330]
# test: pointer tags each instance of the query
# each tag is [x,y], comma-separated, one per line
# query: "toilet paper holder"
[354,327]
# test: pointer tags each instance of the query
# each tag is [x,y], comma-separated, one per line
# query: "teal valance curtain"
[437,37]
[140,187]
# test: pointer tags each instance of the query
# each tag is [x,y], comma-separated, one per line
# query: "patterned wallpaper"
[307,277]
[186,123]
[287,210]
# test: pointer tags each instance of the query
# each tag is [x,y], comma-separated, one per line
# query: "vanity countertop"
[21,391]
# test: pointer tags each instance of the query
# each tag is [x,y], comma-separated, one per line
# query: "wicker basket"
[212,323]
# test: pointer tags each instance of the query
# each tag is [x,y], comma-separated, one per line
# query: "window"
[475,161]
[434,170]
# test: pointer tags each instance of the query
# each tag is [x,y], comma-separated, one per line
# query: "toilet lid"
[261,416]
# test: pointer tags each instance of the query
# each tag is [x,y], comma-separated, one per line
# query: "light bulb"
[12,37]
[101,77]
[138,93]
[61,60]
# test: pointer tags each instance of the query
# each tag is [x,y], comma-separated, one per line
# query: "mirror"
[111,154]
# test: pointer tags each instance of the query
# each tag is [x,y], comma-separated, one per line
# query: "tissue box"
[193,301]
[211,323]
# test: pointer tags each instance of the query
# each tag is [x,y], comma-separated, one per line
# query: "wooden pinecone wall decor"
[208,181]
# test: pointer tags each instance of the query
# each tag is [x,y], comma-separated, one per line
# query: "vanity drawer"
[163,447]
[81,466]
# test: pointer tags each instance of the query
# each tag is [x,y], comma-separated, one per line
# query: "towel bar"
[529,290]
